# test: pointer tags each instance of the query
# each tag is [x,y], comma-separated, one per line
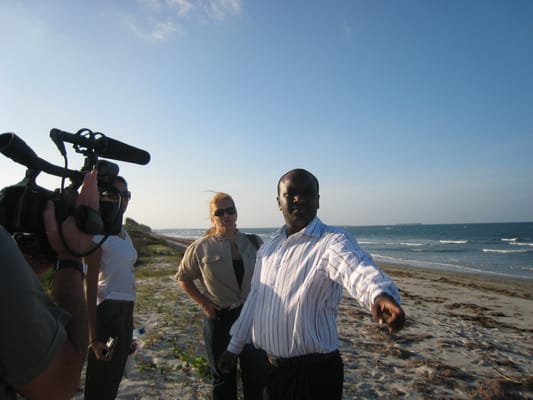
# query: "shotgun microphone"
[103,146]
[111,148]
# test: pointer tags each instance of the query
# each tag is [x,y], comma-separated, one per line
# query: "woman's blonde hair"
[213,206]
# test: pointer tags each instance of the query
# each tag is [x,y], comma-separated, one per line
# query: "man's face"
[298,200]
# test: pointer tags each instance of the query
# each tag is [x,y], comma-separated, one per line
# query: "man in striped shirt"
[297,286]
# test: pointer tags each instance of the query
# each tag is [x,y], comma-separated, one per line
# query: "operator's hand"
[386,311]
[227,362]
[77,240]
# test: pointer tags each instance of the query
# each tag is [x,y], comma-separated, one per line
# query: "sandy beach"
[466,337]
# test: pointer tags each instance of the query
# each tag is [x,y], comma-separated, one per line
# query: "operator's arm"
[61,378]
[91,282]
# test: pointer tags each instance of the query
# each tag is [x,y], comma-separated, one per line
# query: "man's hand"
[78,241]
[227,362]
[386,311]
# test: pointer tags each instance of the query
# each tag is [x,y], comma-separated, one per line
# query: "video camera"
[22,205]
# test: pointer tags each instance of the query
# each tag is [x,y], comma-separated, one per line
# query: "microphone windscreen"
[111,148]
[15,148]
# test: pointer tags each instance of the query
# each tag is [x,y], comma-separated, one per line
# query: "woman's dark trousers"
[253,363]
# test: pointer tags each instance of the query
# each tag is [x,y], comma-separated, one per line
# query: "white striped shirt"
[297,287]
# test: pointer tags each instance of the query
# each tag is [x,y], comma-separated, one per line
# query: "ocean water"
[504,249]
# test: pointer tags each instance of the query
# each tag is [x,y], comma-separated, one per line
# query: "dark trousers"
[102,378]
[253,362]
[309,377]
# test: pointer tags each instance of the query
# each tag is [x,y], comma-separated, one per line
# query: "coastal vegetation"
[159,294]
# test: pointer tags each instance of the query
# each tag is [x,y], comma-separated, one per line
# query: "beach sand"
[466,337]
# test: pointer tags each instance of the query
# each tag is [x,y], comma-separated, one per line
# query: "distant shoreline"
[497,283]
[274,227]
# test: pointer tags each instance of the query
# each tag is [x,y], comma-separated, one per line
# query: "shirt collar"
[222,238]
[313,228]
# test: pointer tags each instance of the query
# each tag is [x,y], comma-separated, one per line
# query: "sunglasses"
[115,196]
[221,211]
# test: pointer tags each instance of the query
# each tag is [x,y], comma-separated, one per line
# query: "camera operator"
[43,340]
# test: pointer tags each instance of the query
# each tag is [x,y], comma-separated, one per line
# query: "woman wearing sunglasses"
[223,262]
[110,306]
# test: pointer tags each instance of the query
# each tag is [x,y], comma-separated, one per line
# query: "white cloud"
[184,7]
[165,30]
[152,29]
[162,20]
[219,9]
[131,25]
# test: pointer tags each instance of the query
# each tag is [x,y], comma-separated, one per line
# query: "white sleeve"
[355,269]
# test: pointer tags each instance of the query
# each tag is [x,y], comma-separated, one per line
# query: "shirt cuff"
[235,346]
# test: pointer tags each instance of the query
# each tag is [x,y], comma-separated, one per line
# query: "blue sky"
[406,111]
